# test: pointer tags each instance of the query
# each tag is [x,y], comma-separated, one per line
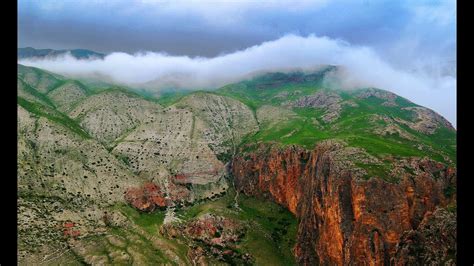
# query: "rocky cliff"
[344,217]
[101,170]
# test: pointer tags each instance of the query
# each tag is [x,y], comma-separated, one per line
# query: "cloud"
[362,66]
[212,27]
[438,12]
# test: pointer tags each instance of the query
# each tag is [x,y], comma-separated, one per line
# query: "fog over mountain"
[236,132]
[415,41]
[361,67]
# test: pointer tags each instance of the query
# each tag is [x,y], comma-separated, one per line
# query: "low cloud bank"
[362,67]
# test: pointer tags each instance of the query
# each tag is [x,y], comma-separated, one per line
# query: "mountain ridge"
[110,160]
[30,52]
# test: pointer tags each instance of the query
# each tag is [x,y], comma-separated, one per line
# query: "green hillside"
[82,145]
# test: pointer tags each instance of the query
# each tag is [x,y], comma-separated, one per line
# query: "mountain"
[29,52]
[281,169]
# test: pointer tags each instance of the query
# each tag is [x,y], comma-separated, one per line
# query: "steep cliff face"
[433,243]
[344,218]
[98,167]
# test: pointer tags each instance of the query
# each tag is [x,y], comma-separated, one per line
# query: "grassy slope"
[271,229]
[38,95]
[301,130]
[271,232]
[53,115]
[41,76]
[353,126]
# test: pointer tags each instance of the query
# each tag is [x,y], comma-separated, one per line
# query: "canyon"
[279,169]
[345,219]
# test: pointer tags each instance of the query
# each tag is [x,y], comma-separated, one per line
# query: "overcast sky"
[414,38]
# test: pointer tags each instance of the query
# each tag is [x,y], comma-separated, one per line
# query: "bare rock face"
[210,236]
[426,121]
[151,196]
[381,94]
[330,102]
[392,129]
[183,147]
[386,126]
[223,121]
[432,243]
[343,218]
[146,198]
[170,146]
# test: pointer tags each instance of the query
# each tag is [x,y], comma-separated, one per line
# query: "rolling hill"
[281,169]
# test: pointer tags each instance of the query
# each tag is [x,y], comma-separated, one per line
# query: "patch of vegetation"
[150,222]
[170,97]
[123,158]
[36,93]
[449,191]
[53,115]
[40,74]
[271,229]
[378,171]
[355,124]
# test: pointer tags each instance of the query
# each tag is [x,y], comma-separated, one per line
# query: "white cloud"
[441,12]
[362,67]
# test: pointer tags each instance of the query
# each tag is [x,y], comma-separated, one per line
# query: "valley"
[279,169]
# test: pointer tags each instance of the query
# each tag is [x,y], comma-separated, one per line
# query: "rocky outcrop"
[170,146]
[151,196]
[328,101]
[146,198]
[210,236]
[82,153]
[425,120]
[344,219]
[221,121]
[381,94]
[433,243]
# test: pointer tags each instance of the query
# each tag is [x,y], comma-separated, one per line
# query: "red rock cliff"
[343,219]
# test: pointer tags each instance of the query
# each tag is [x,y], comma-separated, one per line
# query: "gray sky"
[416,37]
[212,27]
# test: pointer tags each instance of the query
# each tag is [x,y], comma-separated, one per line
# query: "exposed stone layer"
[222,123]
[343,219]
[381,94]
[210,236]
[433,243]
[425,120]
[146,198]
[329,101]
